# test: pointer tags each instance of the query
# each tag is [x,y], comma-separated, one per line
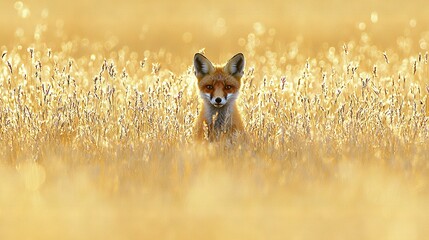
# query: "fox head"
[219,85]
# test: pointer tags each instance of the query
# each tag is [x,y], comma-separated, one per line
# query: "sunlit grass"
[97,140]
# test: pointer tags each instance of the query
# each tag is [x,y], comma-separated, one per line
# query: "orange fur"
[219,87]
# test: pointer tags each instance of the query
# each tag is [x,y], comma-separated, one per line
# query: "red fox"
[219,87]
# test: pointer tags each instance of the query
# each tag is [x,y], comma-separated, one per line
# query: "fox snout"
[218,101]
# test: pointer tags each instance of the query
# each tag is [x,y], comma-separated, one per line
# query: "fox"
[219,87]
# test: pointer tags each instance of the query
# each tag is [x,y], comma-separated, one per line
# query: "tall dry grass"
[97,138]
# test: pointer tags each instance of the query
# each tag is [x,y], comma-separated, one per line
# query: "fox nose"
[218,100]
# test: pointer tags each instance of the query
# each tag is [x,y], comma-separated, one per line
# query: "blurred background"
[362,175]
[186,26]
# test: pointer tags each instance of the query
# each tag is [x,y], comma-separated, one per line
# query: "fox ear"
[202,65]
[235,66]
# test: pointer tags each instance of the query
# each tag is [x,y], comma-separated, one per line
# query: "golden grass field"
[98,100]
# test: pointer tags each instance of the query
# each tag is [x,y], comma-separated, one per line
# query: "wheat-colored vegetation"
[97,110]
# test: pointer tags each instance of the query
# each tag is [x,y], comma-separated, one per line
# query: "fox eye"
[209,87]
[227,87]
